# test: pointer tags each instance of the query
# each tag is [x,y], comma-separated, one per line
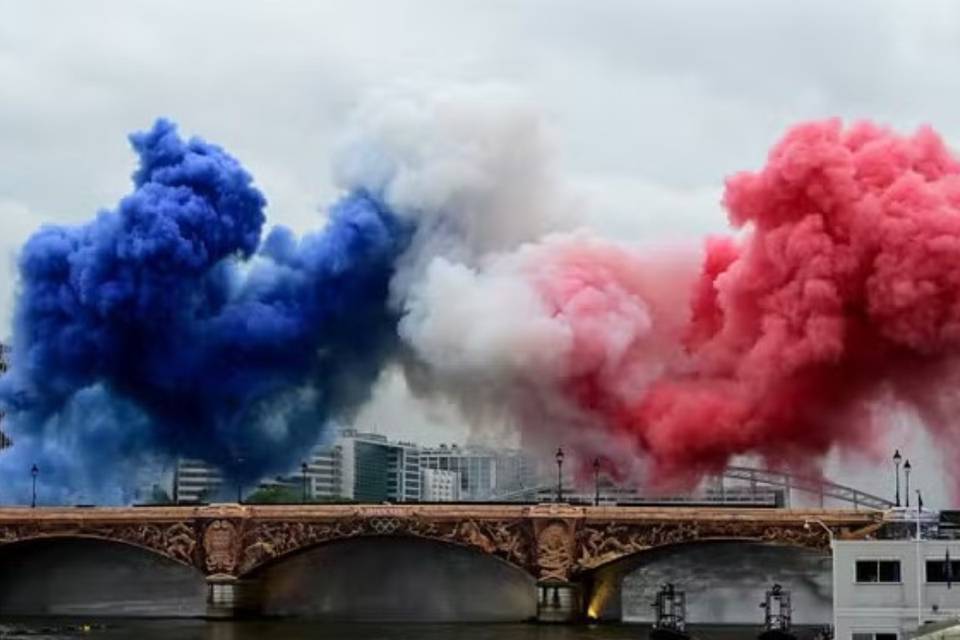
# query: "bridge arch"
[393,578]
[732,572]
[96,575]
[253,569]
[178,555]
[174,539]
[605,543]
[631,560]
[267,542]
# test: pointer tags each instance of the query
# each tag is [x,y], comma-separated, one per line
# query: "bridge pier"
[558,602]
[601,592]
[229,597]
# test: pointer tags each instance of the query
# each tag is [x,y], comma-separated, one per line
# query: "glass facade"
[370,472]
[477,469]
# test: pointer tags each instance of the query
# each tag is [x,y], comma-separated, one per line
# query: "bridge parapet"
[555,543]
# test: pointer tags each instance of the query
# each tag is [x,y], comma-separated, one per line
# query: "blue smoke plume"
[167,326]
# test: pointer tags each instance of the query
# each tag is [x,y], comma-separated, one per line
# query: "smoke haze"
[170,326]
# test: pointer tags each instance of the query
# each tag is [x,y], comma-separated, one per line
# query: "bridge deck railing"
[818,487]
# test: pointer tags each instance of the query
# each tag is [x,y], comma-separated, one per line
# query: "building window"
[937,570]
[874,636]
[871,571]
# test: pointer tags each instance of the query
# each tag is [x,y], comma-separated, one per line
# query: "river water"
[178,629]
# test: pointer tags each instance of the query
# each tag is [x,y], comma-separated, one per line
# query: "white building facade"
[373,469]
[440,486]
[884,589]
[196,481]
[323,473]
[368,467]
[476,467]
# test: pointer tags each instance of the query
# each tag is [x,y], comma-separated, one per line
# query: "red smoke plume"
[842,303]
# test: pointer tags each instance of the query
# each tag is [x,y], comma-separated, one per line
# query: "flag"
[919,510]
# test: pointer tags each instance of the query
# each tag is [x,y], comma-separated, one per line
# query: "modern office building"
[485,473]
[196,481]
[403,473]
[367,467]
[440,486]
[364,467]
[886,589]
[323,473]
[373,469]
[477,468]
[515,471]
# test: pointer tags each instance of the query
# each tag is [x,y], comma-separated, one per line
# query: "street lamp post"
[596,482]
[808,525]
[303,470]
[906,481]
[917,561]
[239,481]
[34,472]
[559,474]
[896,462]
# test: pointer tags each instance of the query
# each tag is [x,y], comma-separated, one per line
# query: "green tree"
[275,494]
[159,496]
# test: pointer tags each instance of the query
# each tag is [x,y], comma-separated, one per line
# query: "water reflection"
[70,629]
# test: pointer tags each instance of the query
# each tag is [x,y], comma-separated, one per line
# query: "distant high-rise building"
[373,469]
[439,486]
[196,481]
[477,468]
[368,467]
[403,473]
[516,470]
[484,472]
[323,473]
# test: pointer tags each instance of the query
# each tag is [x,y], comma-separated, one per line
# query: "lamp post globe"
[906,482]
[896,462]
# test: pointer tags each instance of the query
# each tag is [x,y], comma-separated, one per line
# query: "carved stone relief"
[220,546]
[551,542]
[265,541]
[555,552]
[174,540]
[603,543]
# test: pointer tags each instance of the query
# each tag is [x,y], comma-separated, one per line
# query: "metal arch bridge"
[819,487]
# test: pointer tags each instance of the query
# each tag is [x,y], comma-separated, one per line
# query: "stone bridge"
[562,547]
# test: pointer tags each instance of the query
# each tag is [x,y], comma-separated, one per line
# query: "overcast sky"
[651,104]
